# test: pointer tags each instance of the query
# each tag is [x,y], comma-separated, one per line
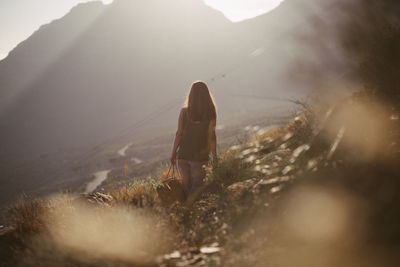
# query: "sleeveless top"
[194,141]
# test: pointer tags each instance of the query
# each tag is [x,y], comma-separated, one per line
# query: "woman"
[195,137]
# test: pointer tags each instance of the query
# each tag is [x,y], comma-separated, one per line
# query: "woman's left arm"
[212,139]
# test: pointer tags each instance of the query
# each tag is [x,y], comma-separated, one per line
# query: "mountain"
[83,78]
[80,78]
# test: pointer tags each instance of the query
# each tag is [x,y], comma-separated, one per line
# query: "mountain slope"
[78,79]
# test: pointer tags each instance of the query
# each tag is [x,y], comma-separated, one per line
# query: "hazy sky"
[20,18]
[237,10]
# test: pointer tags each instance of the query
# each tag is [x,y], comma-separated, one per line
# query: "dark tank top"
[194,141]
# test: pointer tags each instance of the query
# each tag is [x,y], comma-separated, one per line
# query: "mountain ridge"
[62,65]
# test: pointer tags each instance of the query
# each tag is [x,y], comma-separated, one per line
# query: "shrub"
[27,215]
[138,193]
[230,169]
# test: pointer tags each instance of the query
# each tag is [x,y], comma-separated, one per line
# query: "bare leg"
[197,175]
[184,170]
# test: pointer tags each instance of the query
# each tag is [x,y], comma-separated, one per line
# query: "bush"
[230,169]
[139,193]
[27,215]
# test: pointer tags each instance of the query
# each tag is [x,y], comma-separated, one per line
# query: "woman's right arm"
[178,137]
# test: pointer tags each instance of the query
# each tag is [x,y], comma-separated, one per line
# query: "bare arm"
[178,137]
[212,139]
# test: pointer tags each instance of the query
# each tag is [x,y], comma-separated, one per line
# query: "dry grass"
[303,121]
[272,134]
[301,128]
[27,215]
[167,172]
[139,193]
[52,232]
[230,169]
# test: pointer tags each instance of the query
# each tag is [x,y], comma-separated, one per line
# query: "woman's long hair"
[200,103]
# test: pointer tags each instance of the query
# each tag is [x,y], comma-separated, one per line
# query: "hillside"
[82,79]
[323,190]
[72,169]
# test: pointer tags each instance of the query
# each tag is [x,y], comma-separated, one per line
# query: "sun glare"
[238,10]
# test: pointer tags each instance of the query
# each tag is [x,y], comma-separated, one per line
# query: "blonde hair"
[200,103]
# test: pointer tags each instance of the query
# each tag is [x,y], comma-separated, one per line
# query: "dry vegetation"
[137,193]
[308,172]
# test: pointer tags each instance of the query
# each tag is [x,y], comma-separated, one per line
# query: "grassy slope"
[71,170]
[243,216]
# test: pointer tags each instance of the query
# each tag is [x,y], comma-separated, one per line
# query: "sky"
[238,10]
[20,18]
